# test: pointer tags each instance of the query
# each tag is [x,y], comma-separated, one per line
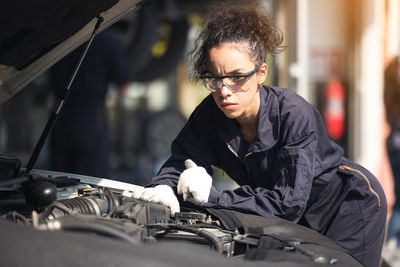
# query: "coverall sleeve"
[194,142]
[292,180]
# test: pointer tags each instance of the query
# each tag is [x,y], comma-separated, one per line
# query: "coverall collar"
[268,126]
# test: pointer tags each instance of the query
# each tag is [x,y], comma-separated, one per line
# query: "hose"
[96,228]
[210,237]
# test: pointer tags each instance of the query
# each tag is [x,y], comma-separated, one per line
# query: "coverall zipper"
[233,151]
[243,161]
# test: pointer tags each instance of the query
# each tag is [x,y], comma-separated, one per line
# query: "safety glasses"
[234,82]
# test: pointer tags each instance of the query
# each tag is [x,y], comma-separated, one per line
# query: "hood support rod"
[60,103]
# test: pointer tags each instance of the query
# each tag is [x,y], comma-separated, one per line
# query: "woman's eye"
[236,79]
[214,82]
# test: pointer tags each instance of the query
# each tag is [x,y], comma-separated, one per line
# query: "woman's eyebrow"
[235,71]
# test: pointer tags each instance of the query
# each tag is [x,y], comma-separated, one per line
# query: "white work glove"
[194,182]
[161,194]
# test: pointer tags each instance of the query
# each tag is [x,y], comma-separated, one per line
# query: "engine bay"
[47,201]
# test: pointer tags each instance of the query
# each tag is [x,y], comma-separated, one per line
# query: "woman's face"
[242,100]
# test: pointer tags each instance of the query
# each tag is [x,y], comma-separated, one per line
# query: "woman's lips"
[227,105]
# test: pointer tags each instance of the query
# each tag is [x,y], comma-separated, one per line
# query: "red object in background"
[335,109]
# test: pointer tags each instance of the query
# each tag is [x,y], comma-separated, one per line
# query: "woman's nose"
[225,91]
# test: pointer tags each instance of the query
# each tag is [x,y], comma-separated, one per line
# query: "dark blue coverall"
[292,170]
[80,139]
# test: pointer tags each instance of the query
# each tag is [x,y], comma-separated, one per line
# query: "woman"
[269,140]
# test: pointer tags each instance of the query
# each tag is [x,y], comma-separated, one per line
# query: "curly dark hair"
[235,23]
[392,89]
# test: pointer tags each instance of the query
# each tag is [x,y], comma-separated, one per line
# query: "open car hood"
[37,34]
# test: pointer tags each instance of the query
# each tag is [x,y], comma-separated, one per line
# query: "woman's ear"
[262,74]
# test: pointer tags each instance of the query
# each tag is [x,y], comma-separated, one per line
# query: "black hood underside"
[34,35]
[41,25]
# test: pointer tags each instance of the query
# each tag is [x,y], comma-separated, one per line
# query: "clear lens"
[215,84]
[234,82]
[212,84]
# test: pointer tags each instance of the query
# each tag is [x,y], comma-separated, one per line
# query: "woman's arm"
[292,179]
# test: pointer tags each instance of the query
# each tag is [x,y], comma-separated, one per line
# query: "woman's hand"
[162,194]
[194,182]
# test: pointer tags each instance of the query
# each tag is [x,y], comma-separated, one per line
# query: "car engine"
[46,201]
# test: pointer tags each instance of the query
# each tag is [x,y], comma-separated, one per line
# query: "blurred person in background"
[80,141]
[269,140]
[392,105]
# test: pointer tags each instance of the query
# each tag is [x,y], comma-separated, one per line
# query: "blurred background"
[335,58]
[337,52]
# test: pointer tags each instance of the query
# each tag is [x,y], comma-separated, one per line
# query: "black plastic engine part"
[63,181]
[143,212]
[40,194]
[9,167]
